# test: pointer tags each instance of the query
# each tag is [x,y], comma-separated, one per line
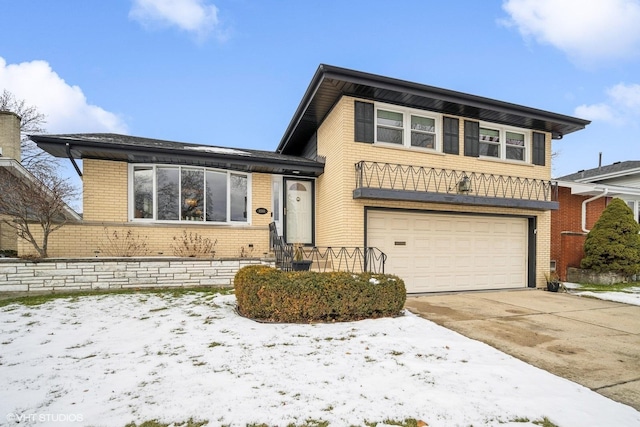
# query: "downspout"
[584,208]
[73,162]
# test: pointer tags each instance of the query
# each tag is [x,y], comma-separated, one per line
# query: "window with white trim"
[406,127]
[635,207]
[503,143]
[184,193]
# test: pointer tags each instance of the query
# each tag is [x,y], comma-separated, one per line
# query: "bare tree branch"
[30,203]
[31,121]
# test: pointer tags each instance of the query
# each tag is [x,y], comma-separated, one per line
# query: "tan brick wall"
[104,190]
[105,211]
[8,236]
[10,135]
[333,186]
[85,239]
[340,218]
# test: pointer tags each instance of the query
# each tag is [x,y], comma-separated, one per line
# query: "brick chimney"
[9,135]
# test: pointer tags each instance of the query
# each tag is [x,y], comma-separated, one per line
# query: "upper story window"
[409,128]
[390,125]
[501,143]
[180,193]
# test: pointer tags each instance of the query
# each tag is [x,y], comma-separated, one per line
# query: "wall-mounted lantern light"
[464,185]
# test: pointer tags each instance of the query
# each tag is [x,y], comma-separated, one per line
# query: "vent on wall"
[552,265]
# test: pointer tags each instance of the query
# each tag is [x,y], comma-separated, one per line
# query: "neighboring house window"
[501,143]
[409,128]
[175,193]
[635,207]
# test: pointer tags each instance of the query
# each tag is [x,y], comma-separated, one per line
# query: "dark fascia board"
[304,105]
[325,72]
[96,149]
[456,199]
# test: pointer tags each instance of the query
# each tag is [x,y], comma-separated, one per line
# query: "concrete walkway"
[591,342]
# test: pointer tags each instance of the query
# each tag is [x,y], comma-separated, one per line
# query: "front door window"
[299,211]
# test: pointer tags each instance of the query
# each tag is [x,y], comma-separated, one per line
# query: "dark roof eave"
[304,103]
[615,170]
[387,83]
[133,153]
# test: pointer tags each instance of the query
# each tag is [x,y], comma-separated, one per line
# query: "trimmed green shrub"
[265,293]
[613,245]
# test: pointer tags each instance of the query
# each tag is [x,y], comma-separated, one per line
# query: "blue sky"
[232,72]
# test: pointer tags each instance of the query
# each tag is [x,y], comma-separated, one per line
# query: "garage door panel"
[422,224]
[445,252]
[422,243]
[400,224]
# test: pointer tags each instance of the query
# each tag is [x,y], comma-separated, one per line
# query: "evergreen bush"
[265,293]
[613,245]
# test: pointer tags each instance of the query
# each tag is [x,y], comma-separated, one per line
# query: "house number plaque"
[261,211]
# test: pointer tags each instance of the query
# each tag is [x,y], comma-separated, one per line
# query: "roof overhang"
[611,175]
[131,149]
[588,189]
[330,83]
[16,169]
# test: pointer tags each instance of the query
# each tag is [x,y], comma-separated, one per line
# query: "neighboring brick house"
[454,188]
[9,149]
[12,169]
[582,197]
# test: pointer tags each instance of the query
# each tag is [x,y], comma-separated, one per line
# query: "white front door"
[298,211]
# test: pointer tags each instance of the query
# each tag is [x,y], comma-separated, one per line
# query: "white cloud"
[65,106]
[588,31]
[621,107]
[194,16]
[627,96]
[597,112]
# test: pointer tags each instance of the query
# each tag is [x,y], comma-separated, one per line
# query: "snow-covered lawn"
[628,296]
[112,359]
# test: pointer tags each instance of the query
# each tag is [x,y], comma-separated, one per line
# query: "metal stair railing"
[323,259]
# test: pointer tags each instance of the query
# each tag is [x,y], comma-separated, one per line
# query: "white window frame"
[502,135]
[406,126]
[635,207]
[154,167]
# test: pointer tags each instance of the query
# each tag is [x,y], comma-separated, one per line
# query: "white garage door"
[444,252]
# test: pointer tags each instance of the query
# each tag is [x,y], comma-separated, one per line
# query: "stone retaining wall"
[17,275]
[579,275]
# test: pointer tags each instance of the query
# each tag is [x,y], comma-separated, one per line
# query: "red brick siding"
[567,237]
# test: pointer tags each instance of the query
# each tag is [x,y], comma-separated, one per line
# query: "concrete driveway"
[591,342]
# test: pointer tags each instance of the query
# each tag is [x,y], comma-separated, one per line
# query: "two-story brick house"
[454,188]
[583,196]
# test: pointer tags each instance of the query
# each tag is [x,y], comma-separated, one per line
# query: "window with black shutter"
[471,139]
[364,122]
[451,144]
[539,149]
